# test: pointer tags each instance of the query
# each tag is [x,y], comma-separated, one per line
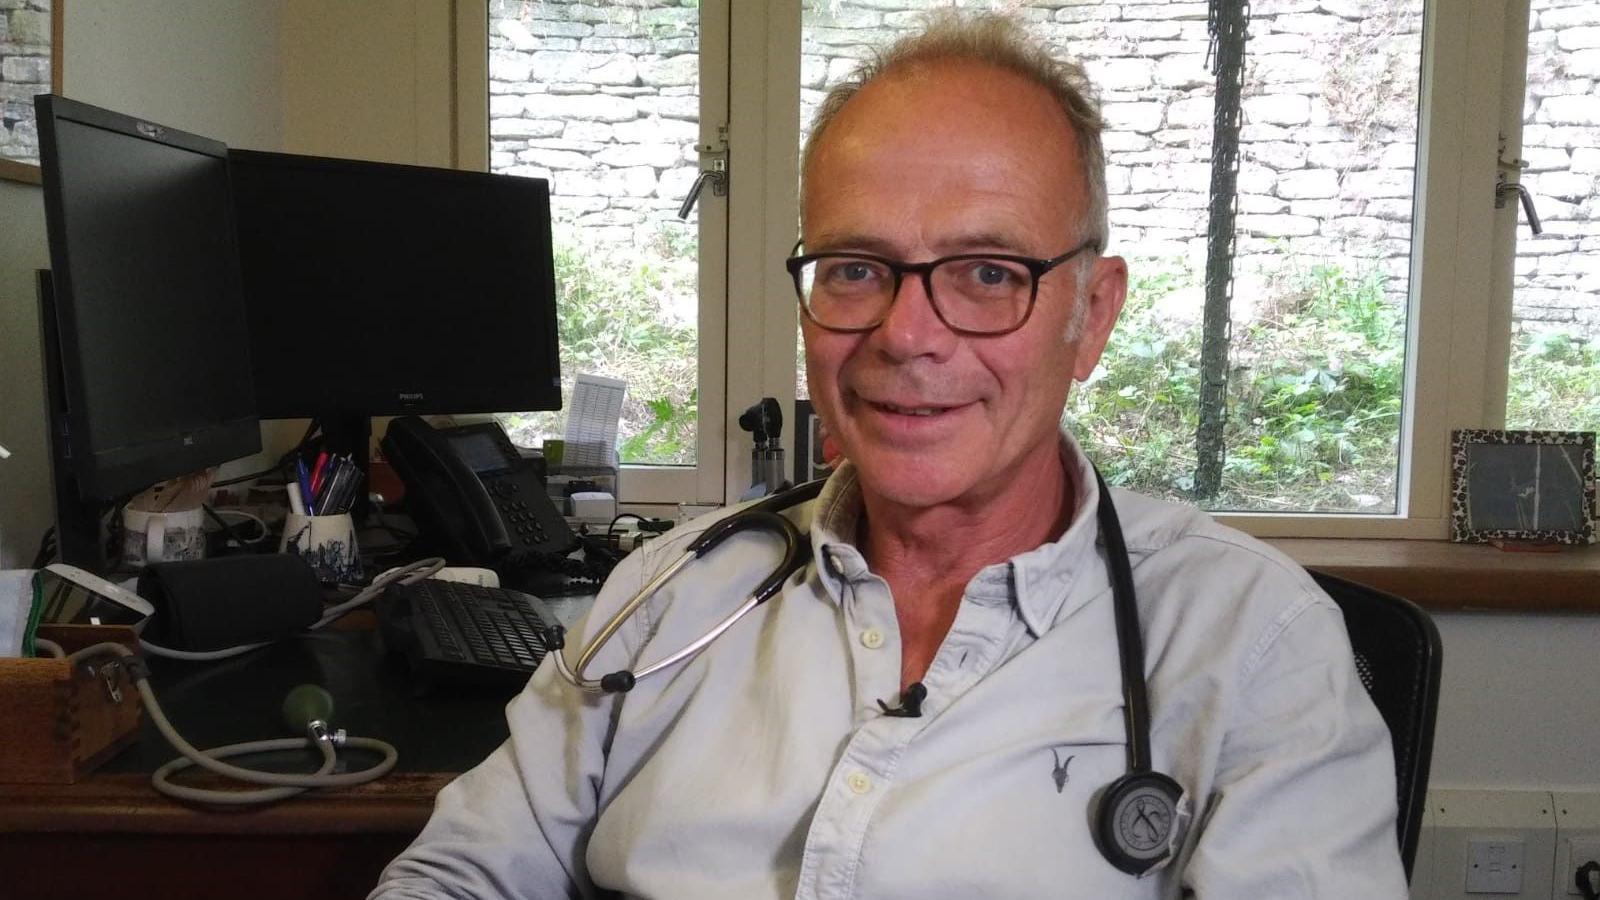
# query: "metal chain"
[1228,27]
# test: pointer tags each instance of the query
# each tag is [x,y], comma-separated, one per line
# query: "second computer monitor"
[380,289]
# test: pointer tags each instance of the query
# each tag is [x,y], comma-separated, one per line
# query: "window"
[1366,321]
[606,103]
[27,37]
[1554,379]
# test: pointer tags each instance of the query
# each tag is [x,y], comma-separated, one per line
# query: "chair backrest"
[1398,657]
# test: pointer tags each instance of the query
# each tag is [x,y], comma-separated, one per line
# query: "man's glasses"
[971,293]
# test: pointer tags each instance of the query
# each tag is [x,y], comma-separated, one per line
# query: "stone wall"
[24,71]
[600,98]
[603,100]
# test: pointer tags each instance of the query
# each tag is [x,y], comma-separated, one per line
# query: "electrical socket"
[1498,829]
[1577,840]
[1570,855]
[1495,866]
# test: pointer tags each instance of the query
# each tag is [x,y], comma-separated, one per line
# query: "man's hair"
[995,40]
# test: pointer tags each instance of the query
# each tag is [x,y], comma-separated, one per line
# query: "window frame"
[1459,307]
[644,485]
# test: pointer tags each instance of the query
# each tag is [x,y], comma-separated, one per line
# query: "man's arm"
[518,825]
[1304,803]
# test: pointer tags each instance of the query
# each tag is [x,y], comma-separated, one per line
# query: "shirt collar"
[1038,581]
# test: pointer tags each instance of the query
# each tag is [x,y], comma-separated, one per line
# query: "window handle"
[1503,189]
[717,175]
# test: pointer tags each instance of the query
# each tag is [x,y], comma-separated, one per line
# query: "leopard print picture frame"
[1522,486]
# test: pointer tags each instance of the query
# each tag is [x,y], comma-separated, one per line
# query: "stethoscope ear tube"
[761,517]
[760,520]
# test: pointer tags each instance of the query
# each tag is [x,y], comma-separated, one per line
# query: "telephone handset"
[468,488]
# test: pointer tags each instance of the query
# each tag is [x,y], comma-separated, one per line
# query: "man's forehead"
[995,117]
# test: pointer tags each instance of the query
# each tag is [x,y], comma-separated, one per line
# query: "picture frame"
[1530,486]
[33,29]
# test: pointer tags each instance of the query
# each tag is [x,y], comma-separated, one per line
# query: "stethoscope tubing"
[762,516]
[1130,643]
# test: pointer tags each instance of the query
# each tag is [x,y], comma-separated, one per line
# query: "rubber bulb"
[305,704]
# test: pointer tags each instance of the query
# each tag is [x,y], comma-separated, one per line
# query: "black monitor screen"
[149,318]
[383,289]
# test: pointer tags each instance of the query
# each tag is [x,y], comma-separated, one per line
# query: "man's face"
[934,161]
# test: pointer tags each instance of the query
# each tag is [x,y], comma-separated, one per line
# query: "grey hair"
[1000,41]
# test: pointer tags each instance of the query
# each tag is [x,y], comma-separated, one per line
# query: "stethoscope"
[1134,816]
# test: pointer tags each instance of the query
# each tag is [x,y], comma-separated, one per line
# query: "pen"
[319,472]
[295,505]
[330,475]
[305,487]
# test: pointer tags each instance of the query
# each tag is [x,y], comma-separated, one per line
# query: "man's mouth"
[911,410]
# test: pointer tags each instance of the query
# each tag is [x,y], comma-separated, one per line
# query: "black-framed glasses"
[971,293]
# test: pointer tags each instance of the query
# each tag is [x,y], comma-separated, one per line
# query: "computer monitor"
[147,365]
[381,289]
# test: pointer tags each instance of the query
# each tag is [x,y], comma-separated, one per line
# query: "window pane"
[1328,150]
[1554,382]
[604,101]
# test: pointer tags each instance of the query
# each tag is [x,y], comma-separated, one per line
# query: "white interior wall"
[213,68]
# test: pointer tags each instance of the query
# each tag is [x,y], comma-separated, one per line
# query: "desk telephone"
[469,489]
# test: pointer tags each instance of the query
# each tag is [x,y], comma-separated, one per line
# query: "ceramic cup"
[328,543]
[152,537]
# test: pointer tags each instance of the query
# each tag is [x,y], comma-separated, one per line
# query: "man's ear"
[1104,291]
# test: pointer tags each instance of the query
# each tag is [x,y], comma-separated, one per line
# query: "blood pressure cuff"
[213,604]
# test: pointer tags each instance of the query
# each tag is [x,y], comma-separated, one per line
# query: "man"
[956,577]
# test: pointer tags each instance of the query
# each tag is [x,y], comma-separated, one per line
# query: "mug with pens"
[319,527]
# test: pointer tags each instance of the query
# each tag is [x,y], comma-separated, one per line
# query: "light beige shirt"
[765,768]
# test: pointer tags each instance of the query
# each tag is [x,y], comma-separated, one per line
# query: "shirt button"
[858,782]
[872,638]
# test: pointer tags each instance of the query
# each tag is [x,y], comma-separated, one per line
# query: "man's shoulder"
[1188,547]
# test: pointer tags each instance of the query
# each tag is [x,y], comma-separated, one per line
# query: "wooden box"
[57,723]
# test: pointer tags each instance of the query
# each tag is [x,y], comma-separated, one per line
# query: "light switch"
[1494,867]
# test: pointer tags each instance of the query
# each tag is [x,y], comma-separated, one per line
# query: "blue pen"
[305,486]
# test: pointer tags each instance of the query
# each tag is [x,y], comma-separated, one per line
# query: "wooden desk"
[114,836]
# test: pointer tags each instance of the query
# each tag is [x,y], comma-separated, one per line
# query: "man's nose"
[912,327]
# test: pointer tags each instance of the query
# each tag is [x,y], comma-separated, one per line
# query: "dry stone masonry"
[24,71]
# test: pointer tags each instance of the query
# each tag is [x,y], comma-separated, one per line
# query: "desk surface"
[114,833]
[437,733]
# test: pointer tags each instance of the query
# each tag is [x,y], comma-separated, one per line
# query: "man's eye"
[850,273]
[991,275]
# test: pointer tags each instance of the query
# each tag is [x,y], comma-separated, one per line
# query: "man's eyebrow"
[844,241]
[982,240]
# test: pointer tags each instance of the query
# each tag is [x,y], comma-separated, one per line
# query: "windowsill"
[1440,575]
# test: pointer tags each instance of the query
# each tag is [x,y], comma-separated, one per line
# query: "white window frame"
[646,486]
[1459,316]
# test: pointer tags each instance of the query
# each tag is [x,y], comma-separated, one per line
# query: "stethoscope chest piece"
[1135,818]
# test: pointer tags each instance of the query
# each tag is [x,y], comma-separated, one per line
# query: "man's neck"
[953,541]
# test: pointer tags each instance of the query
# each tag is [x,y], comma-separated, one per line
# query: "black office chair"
[1398,657]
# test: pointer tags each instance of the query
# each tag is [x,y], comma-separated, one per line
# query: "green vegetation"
[1555,382]
[1314,391]
[629,312]
[1313,394]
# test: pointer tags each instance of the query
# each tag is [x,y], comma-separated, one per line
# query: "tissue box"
[59,723]
[593,505]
